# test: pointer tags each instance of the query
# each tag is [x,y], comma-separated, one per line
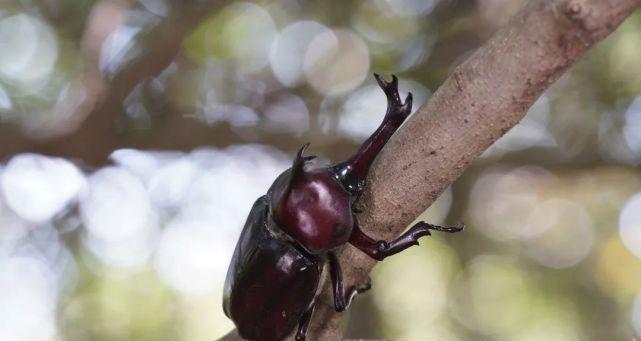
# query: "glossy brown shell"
[314,209]
[270,282]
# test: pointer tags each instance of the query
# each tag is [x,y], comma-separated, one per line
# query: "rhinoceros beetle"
[294,229]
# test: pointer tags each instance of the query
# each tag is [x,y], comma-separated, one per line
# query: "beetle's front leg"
[379,249]
[342,299]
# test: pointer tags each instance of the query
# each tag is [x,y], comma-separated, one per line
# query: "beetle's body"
[294,230]
[269,280]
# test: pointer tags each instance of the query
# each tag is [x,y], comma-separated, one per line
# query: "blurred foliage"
[138,249]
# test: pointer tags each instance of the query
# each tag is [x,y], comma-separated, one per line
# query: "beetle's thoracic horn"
[354,171]
[299,162]
[389,88]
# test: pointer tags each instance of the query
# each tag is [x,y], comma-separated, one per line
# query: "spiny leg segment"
[379,249]
[342,299]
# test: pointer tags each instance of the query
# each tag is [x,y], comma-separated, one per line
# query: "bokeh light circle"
[336,62]
[115,205]
[490,296]
[288,114]
[415,316]
[239,174]
[243,33]
[169,183]
[558,323]
[5,102]
[636,314]
[380,26]
[407,7]
[131,253]
[38,187]
[288,51]
[191,257]
[28,296]
[12,227]
[630,225]
[142,164]
[631,130]
[196,246]
[617,270]
[29,51]
[501,200]
[160,8]
[567,237]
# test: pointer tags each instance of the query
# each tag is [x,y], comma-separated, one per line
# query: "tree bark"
[482,99]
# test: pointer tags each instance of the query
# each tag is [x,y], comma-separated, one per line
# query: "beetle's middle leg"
[379,249]
[342,299]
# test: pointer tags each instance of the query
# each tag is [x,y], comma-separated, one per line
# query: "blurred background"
[136,134]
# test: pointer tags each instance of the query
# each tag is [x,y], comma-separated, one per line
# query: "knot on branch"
[573,9]
[580,13]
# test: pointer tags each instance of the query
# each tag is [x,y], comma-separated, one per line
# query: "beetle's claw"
[449,229]
[366,286]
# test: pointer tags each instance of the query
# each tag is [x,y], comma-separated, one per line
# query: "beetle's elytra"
[291,232]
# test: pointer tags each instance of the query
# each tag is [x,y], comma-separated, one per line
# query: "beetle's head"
[312,206]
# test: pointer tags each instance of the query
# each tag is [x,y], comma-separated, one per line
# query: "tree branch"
[482,99]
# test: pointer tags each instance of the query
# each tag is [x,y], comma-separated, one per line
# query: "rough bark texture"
[482,99]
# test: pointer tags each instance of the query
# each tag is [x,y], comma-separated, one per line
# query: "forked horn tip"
[302,150]
[409,98]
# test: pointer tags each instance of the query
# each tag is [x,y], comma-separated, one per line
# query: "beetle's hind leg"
[379,249]
[342,299]
[301,334]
